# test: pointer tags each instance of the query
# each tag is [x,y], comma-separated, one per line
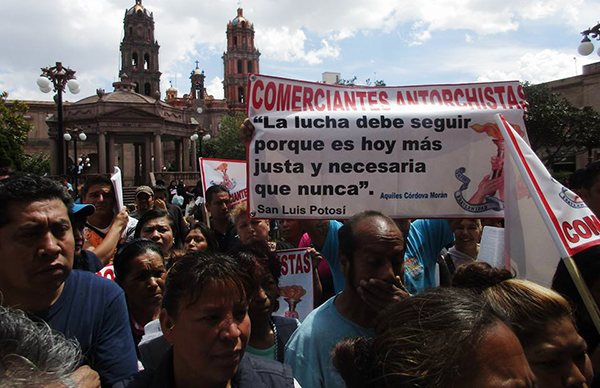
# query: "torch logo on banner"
[293,296]
[490,192]
[571,198]
[227,182]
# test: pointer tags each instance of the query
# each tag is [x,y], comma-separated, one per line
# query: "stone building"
[581,90]
[131,127]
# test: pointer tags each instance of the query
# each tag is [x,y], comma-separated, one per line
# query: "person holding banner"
[104,229]
[371,258]
[542,320]
[255,230]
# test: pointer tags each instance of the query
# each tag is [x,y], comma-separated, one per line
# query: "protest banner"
[571,224]
[295,284]
[228,173]
[330,151]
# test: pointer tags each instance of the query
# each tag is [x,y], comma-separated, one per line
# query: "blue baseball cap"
[82,210]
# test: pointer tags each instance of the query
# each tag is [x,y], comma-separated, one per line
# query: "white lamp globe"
[43,82]
[73,86]
[67,137]
[194,137]
[586,47]
[47,89]
[206,137]
[82,136]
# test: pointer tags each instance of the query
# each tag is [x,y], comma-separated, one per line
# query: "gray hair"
[32,354]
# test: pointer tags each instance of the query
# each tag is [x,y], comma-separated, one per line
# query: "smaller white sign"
[295,284]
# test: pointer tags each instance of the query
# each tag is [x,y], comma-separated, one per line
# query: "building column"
[111,152]
[186,153]
[137,161]
[194,155]
[54,161]
[102,153]
[158,156]
[178,155]
[147,165]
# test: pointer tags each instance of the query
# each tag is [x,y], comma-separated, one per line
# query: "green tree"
[13,132]
[38,164]
[227,143]
[352,82]
[557,129]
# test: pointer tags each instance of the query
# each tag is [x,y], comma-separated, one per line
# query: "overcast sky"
[399,41]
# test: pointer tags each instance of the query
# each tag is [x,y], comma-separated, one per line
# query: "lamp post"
[78,162]
[193,138]
[587,47]
[57,77]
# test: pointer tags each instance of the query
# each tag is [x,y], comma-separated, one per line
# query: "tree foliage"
[352,82]
[13,132]
[227,143]
[556,128]
[38,164]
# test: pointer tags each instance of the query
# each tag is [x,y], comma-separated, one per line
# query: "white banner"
[328,151]
[228,173]
[571,224]
[295,284]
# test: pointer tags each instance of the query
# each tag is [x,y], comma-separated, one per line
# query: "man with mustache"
[36,255]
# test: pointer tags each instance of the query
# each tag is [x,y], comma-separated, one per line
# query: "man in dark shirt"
[218,202]
[36,257]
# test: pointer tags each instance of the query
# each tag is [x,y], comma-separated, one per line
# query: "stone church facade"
[131,127]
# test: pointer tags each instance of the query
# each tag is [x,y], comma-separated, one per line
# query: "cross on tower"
[197,64]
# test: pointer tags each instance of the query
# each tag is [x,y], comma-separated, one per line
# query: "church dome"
[239,19]
[138,7]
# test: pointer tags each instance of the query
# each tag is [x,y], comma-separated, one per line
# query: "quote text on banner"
[329,151]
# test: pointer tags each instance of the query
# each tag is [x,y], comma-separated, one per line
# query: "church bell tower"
[139,51]
[240,59]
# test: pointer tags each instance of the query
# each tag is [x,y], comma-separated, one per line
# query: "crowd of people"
[208,287]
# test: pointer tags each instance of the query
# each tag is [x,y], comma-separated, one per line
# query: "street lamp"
[77,133]
[587,47]
[194,138]
[57,77]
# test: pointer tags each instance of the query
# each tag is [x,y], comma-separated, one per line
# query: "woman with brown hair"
[542,320]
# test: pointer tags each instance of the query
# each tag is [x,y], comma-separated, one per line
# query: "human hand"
[315,257]
[85,377]
[121,219]
[487,186]
[379,294]
[246,131]
[160,204]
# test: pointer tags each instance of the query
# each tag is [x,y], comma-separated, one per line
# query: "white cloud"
[289,46]
[538,67]
[215,88]
[468,38]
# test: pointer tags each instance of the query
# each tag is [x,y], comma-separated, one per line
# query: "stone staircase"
[129,197]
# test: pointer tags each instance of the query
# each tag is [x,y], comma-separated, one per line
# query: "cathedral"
[132,127]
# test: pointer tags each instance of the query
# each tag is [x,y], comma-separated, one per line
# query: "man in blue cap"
[84,259]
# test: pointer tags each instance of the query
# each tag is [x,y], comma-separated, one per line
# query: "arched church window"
[250,69]
[235,41]
[239,66]
[137,87]
[147,88]
[243,24]
[134,60]
[241,94]
[146,61]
